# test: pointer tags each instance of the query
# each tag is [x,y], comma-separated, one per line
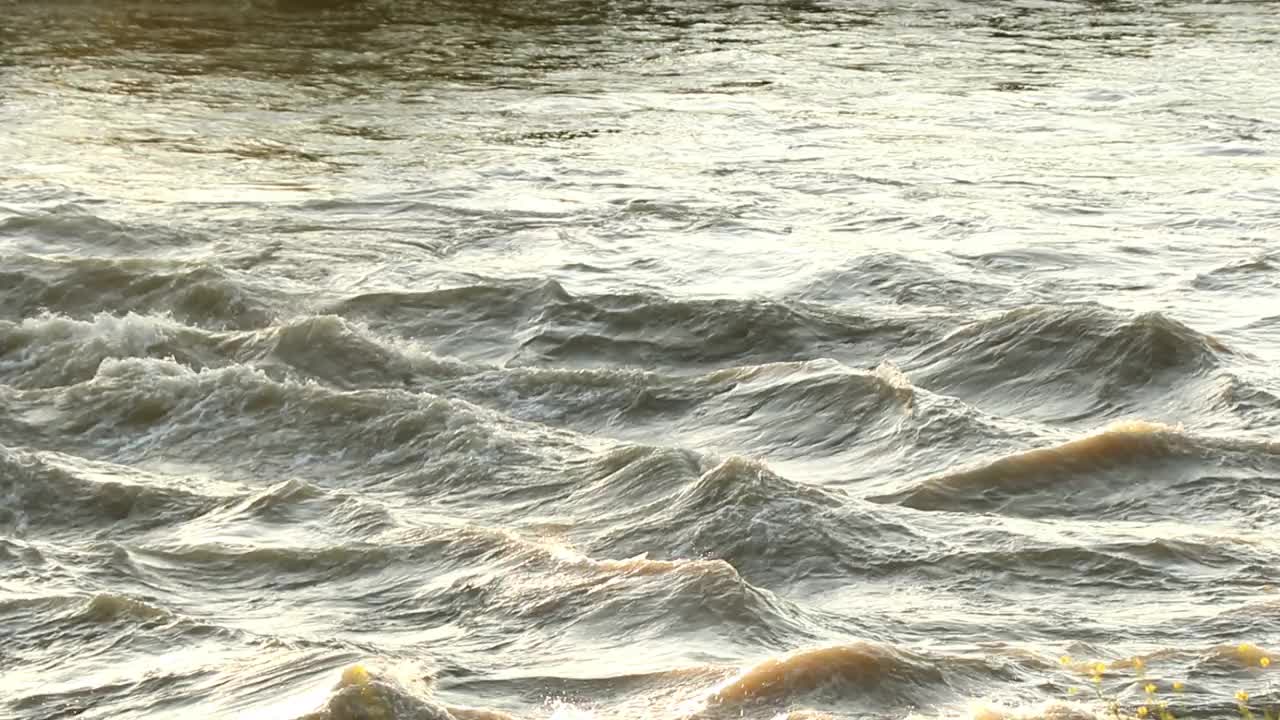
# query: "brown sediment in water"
[806,670]
[1117,442]
[1247,654]
[364,695]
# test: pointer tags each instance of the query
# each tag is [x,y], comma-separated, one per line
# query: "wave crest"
[1065,362]
[1119,444]
[364,693]
[863,665]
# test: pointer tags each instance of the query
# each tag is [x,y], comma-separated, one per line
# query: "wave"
[495,579]
[623,480]
[1065,362]
[362,694]
[109,607]
[104,628]
[903,281]
[793,409]
[14,550]
[879,675]
[1253,618]
[864,676]
[990,486]
[876,424]
[51,351]
[279,569]
[331,350]
[134,406]
[1244,276]
[55,350]
[647,330]
[476,576]
[56,493]
[808,409]
[476,322]
[544,324]
[469,545]
[426,441]
[789,410]
[1097,563]
[1256,406]
[876,674]
[857,677]
[1235,656]
[827,403]
[864,665]
[777,410]
[199,294]
[588,399]
[870,678]
[70,228]
[771,529]
[1123,467]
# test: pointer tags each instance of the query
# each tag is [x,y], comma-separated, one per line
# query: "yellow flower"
[1242,696]
[1265,661]
[1243,648]
[1142,711]
[1137,664]
[1073,690]
[1099,668]
[1177,686]
[1150,688]
[1065,659]
[355,675]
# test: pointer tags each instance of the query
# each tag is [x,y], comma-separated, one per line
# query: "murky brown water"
[637,360]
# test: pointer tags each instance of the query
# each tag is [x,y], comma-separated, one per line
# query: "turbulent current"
[639,359]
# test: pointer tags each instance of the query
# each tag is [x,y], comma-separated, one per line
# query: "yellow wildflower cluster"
[1153,706]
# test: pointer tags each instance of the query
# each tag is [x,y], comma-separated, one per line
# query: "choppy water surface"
[637,359]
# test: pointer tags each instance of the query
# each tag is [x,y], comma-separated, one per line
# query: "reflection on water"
[684,359]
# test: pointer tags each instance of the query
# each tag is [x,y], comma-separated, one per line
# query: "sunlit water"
[638,359]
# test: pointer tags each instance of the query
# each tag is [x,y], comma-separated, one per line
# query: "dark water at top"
[685,359]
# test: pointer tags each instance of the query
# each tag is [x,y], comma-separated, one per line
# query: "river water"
[638,359]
